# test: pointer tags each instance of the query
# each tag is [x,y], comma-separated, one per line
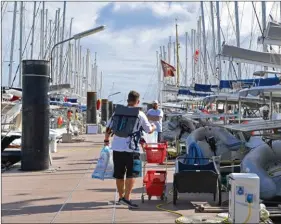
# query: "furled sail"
[232,53]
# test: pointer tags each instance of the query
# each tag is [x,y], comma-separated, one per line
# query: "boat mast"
[159,74]
[69,64]
[219,39]
[192,56]
[185,71]
[237,35]
[61,46]
[95,74]
[100,83]
[178,58]
[213,38]
[263,6]
[80,62]
[169,49]
[54,42]
[204,45]
[164,54]
[87,70]
[43,30]
[46,35]
[20,48]
[50,39]
[12,44]
[33,29]
[57,50]
[82,79]
[198,44]
[75,66]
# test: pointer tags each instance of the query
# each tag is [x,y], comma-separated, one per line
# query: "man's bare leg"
[120,187]
[129,184]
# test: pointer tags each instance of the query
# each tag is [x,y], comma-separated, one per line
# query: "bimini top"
[231,98]
[262,90]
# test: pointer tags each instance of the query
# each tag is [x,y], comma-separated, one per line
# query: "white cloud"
[181,10]
[127,57]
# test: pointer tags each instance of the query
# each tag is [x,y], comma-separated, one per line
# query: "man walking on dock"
[126,125]
[155,116]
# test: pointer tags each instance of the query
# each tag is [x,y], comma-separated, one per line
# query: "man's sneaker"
[118,202]
[130,204]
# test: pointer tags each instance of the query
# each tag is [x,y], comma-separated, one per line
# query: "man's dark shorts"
[123,163]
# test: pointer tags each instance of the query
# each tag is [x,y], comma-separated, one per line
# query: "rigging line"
[209,17]
[231,18]
[271,9]
[220,26]
[212,69]
[257,18]
[241,18]
[22,53]
[3,10]
[50,41]
[235,73]
[9,45]
[146,91]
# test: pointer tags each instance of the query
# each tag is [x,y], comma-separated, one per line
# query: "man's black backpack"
[124,120]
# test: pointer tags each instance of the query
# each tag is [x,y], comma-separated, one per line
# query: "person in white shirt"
[155,116]
[125,146]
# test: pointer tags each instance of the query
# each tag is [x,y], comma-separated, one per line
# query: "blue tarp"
[188,92]
[195,155]
[204,88]
[72,100]
[228,84]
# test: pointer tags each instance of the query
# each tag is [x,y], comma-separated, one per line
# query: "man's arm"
[107,132]
[155,117]
[147,127]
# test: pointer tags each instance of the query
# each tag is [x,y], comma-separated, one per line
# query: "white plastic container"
[53,144]
[151,138]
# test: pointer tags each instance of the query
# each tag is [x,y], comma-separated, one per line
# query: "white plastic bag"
[151,138]
[102,164]
[110,167]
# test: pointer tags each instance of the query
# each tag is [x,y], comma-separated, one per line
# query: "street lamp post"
[74,37]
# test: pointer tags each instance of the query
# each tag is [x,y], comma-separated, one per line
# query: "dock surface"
[67,194]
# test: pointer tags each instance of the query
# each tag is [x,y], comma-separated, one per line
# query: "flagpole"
[159,75]
[177,48]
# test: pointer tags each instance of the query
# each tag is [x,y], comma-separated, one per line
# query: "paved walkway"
[67,194]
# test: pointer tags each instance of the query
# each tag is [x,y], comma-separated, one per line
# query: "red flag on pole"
[196,56]
[168,69]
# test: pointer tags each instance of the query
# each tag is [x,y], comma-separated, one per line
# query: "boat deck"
[67,194]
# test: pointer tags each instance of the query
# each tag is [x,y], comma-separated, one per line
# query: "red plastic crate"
[155,152]
[155,182]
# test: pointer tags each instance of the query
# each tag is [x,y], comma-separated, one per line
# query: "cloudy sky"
[126,50]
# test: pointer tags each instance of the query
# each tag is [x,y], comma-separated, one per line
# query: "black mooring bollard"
[110,109]
[91,107]
[104,110]
[35,115]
